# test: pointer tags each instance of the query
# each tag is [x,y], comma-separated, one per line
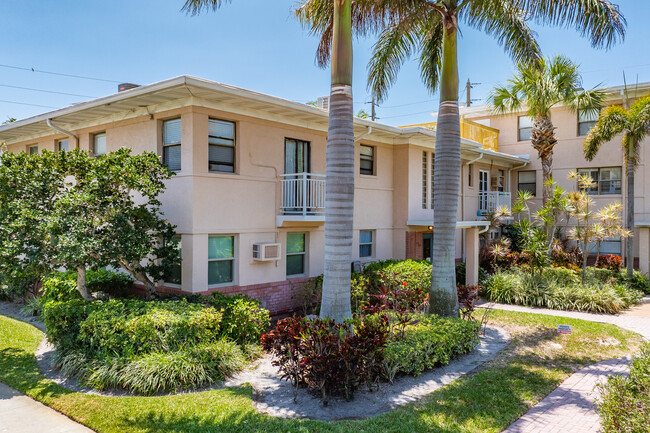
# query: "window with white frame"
[296,254]
[172,144]
[221,259]
[606,180]
[33,150]
[367,160]
[366,243]
[99,144]
[221,141]
[527,181]
[175,271]
[586,121]
[525,128]
[63,145]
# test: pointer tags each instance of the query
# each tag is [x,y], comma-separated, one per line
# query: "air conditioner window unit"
[264,252]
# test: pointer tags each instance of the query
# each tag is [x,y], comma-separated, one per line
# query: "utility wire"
[25,103]
[46,91]
[59,74]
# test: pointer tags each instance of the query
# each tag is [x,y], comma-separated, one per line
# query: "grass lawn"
[538,361]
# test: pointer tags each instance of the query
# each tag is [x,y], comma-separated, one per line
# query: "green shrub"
[244,319]
[416,274]
[59,286]
[638,281]
[461,271]
[62,285]
[431,341]
[561,289]
[107,281]
[624,404]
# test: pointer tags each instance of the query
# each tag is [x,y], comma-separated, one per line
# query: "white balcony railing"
[490,201]
[303,194]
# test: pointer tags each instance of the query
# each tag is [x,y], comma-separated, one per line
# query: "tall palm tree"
[537,88]
[634,124]
[430,28]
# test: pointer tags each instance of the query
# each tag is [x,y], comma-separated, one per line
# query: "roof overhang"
[459,224]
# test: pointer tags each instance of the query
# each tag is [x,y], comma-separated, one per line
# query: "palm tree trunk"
[339,189]
[543,140]
[629,242]
[443,297]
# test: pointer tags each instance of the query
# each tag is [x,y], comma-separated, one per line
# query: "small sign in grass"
[564,329]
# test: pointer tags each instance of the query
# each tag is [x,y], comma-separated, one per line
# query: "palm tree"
[430,28]
[538,88]
[634,124]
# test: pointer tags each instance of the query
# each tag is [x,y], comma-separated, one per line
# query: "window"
[62,145]
[295,254]
[221,141]
[221,259]
[366,241]
[525,128]
[607,180]
[586,121]
[33,150]
[470,181]
[99,144]
[172,144]
[527,181]
[424,180]
[176,269]
[367,163]
[501,180]
[297,156]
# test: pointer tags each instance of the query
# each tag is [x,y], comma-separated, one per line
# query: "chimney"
[324,103]
[126,86]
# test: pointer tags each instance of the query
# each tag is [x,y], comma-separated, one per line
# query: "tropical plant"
[634,124]
[537,88]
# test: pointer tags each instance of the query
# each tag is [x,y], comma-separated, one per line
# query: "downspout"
[462,204]
[515,168]
[68,133]
[368,132]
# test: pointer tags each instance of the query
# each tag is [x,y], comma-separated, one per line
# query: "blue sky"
[254,44]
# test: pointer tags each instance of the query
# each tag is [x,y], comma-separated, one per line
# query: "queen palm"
[537,88]
[429,29]
[634,124]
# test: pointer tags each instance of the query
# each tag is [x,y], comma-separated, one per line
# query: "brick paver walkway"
[570,408]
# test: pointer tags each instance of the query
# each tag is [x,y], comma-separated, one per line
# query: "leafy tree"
[73,210]
[537,88]
[634,124]
[362,114]
[429,29]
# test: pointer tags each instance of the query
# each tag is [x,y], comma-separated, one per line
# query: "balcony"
[303,198]
[486,136]
[490,201]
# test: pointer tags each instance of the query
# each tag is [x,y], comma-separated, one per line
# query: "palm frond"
[195,7]
[431,54]
[613,120]
[505,99]
[599,20]
[507,23]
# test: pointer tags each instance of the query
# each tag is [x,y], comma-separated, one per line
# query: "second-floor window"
[525,128]
[221,141]
[607,180]
[527,181]
[62,145]
[586,121]
[172,144]
[424,180]
[367,160]
[99,144]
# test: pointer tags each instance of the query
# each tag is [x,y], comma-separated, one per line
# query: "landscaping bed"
[535,363]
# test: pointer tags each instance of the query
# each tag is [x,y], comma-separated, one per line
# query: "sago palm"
[634,124]
[429,30]
[537,88]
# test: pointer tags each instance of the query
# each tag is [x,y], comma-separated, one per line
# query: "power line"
[25,103]
[45,91]
[59,74]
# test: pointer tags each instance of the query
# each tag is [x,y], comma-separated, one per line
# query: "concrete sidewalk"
[21,414]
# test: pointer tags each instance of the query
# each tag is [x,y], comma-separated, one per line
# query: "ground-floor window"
[366,243]
[221,259]
[296,254]
[175,271]
[427,245]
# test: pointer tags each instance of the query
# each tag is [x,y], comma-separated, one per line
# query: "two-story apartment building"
[248,194]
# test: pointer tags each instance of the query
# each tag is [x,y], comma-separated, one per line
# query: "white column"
[471,256]
[644,250]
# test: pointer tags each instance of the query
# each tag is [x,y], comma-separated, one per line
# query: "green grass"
[488,401]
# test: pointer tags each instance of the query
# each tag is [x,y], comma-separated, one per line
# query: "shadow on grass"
[19,370]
